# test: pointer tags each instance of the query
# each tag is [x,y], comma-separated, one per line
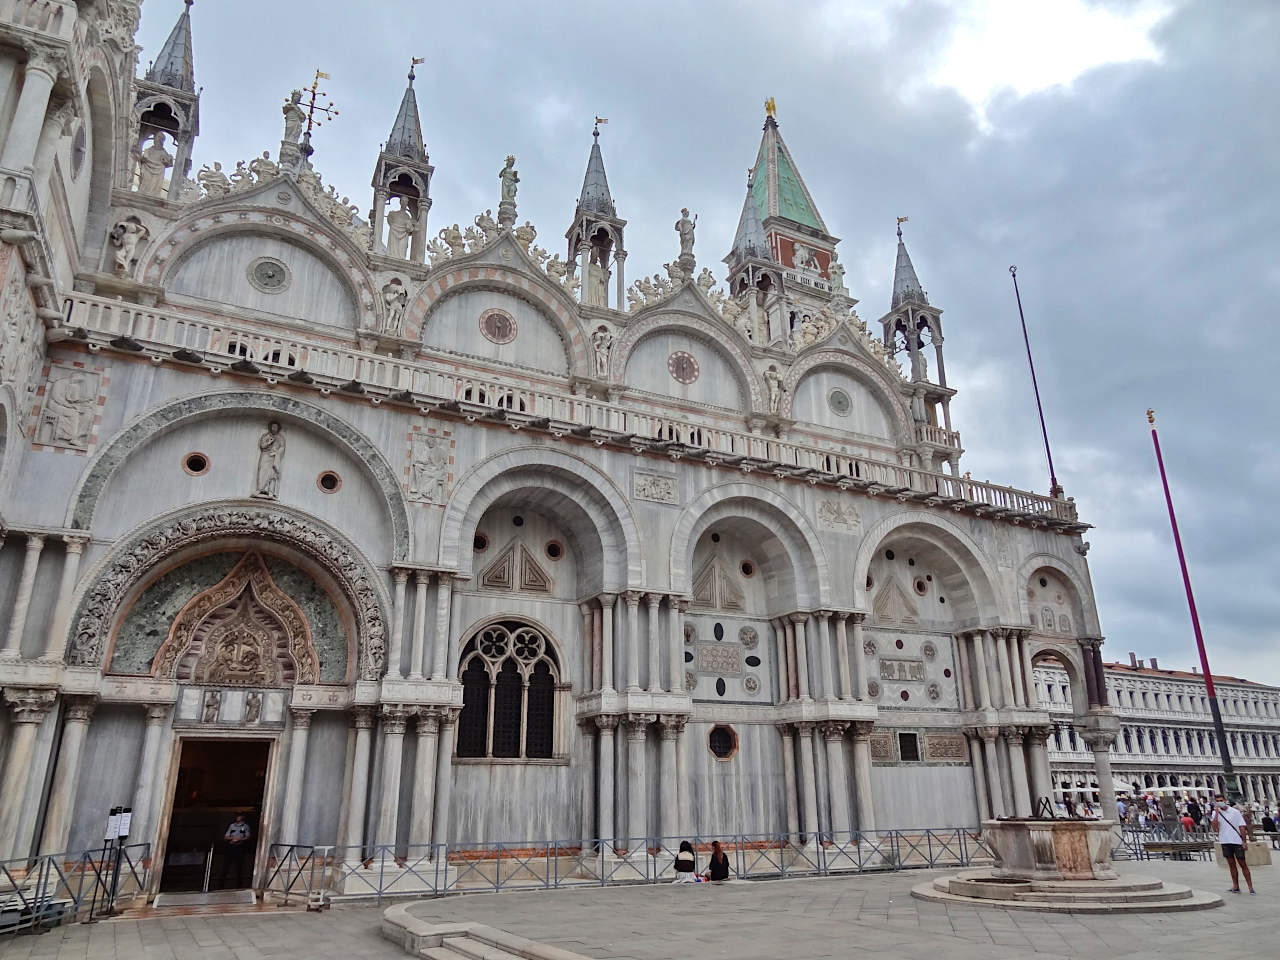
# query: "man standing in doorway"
[238,837]
[1231,836]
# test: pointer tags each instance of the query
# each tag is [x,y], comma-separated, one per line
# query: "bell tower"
[595,237]
[166,107]
[402,179]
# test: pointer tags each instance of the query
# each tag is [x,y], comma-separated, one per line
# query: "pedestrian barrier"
[44,891]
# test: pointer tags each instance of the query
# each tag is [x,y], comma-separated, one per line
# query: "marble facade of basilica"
[482,543]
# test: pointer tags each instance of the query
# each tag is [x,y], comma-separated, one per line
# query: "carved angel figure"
[264,168]
[453,237]
[647,289]
[539,255]
[213,181]
[555,268]
[127,236]
[525,235]
[475,239]
[661,284]
[706,280]
[241,178]
[675,273]
[487,226]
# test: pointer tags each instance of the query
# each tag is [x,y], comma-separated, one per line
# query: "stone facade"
[487,544]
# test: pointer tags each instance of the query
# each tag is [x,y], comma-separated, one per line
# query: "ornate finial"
[1013,272]
[314,107]
[901,221]
[414,61]
[595,131]
[1151,416]
[771,108]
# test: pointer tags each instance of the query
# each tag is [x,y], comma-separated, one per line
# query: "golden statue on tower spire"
[771,108]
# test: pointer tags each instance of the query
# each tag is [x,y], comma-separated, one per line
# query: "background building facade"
[393,535]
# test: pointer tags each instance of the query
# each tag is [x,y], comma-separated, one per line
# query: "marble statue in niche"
[394,298]
[152,164]
[429,471]
[66,416]
[601,345]
[293,117]
[252,707]
[266,479]
[212,704]
[400,224]
[127,238]
[773,381]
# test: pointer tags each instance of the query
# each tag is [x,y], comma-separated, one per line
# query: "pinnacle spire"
[175,66]
[906,285]
[750,242]
[595,185]
[779,189]
[406,133]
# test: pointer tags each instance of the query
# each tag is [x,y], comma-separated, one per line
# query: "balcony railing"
[221,345]
[53,17]
[928,433]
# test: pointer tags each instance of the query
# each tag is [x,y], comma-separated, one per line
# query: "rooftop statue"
[152,164]
[293,117]
[685,227]
[509,176]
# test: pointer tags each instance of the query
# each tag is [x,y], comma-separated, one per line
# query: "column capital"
[1098,741]
[1038,735]
[806,727]
[682,603]
[843,615]
[672,725]
[633,597]
[400,574]
[301,718]
[653,600]
[428,721]
[858,616]
[823,615]
[46,60]
[834,729]
[607,722]
[798,617]
[29,705]
[35,542]
[785,729]
[74,545]
[862,729]
[362,718]
[448,716]
[1015,735]
[989,734]
[79,709]
[157,712]
[606,600]
[638,724]
[395,717]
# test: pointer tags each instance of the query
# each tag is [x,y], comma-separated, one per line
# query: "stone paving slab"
[793,919]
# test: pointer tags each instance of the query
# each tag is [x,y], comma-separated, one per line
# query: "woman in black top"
[685,866]
[718,869]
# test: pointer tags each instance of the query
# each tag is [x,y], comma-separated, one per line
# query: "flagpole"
[1054,489]
[1232,782]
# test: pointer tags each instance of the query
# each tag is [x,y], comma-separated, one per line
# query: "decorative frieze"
[655,487]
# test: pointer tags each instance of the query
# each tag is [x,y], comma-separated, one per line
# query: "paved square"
[795,919]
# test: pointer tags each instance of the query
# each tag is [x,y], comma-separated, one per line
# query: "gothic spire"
[750,242]
[779,189]
[906,286]
[595,185]
[406,133]
[175,65]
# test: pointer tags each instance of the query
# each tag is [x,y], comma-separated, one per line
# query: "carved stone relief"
[655,487]
[69,408]
[834,515]
[945,747]
[430,460]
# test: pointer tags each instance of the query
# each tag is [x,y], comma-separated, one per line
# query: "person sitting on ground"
[1271,829]
[1231,837]
[686,869]
[718,868]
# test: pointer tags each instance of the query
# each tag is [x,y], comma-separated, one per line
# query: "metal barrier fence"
[317,873]
[66,887]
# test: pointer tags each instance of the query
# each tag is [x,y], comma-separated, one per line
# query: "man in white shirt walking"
[1231,835]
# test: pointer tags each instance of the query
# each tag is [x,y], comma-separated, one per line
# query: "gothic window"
[510,679]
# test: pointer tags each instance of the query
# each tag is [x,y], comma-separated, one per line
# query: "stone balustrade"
[220,345]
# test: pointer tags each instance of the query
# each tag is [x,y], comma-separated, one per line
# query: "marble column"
[965,679]
[822,636]
[587,644]
[793,673]
[444,775]
[842,658]
[608,610]
[633,641]
[396,645]
[587,782]
[980,668]
[56,642]
[39,75]
[29,708]
[440,640]
[780,646]
[992,764]
[424,777]
[802,655]
[654,600]
[675,645]
[979,777]
[1028,674]
[1010,640]
[606,725]
[597,654]
[684,790]
[1018,768]
[637,784]
[1042,784]
[808,782]
[1100,744]
[394,720]
[418,651]
[344,810]
[862,775]
[833,734]
[362,719]
[22,599]
[144,793]
[671,727]
[859,656]
[791,809]
[292,815]
[1090,679]
[1002,666]
[66,778]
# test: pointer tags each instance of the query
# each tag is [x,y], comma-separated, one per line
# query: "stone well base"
[1126,894]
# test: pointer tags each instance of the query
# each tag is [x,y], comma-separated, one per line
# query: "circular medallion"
[498,326]
[873,689]
[690,680]
[934,691]
[284,196]
[751,684]
[690,633]
[748,637]
[269,275]
[929,650]
[869,647]
[683,367]
[839,402]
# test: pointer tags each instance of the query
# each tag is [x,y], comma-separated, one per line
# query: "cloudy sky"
[1123,153]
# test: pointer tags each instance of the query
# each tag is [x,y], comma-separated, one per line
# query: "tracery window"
[510,675]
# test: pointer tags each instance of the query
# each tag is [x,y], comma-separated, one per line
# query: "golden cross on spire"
[313,107]
[771,108]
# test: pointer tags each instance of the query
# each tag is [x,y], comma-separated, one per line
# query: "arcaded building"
[395,532]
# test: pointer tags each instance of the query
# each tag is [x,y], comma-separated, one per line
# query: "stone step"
[477,949]
[440,953]
[1129,883]
[1170,891]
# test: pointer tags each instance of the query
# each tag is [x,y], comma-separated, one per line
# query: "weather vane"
[901,221]
[771,108]
[313,107]
[414,61]
[596,130]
